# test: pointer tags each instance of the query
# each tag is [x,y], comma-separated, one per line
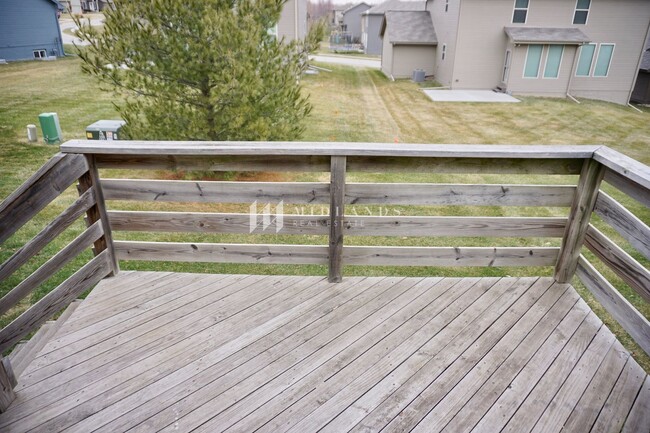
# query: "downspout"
[573,70]
[453,65]
[295,19]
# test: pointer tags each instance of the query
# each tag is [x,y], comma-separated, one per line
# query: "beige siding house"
[293,20]
[409,41]
[582,48]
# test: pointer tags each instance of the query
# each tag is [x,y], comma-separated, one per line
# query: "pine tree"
[200,69]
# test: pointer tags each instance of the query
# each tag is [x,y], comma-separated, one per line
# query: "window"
[553,61]
[585,60]
[446,5]
[582,10]
[533,60]
[521,11]
[444,51]
[40,54]
[604,60]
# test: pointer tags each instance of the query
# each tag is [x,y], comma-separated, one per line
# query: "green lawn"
[349,105]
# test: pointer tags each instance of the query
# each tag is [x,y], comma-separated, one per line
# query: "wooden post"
[583,205]
[337,210]
[98,212]
[7,394]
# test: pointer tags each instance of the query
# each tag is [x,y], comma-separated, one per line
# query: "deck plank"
[468,347]
[151,351]
[406,408]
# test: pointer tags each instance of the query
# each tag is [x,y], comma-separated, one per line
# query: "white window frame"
[559,69]
[515,8]
[539,67]
[591,65]
[597,56]
[581,10]
[42,53]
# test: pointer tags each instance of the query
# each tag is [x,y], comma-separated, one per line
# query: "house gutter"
[295,19]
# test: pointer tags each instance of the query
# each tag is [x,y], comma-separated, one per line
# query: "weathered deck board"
[191,352]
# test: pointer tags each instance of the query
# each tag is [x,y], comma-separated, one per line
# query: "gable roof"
[396,5]
[356,6]
[545,35]
[408,28]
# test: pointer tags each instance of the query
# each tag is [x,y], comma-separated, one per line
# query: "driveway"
[357,62]
[68,24]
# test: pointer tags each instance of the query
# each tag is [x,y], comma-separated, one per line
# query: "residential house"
[29,29]
[409,43]
[352,21]
[372,18]
[336,19]
[582,48]
[641,92]
[293,21]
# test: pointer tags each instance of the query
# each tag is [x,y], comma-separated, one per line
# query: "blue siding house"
[29,29]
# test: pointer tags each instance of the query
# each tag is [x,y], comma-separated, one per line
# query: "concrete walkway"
[468,96]
[68,24]
[357,62]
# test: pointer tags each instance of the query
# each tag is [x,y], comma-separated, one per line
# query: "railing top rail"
[624,165]
[216,148]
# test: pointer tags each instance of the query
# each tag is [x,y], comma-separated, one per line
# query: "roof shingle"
[541,35]
[409,28]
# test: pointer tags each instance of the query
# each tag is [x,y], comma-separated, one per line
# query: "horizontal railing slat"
[623,265]
[86,277]
[60,259]
[454,226]
[215,192]
[635,231]
[309,193]
[32,180]
[222,253]
[619,307]
[288,163]
[634,190]
[458,194]
[449,256]
[353,225]
[459,165]
[370,164]
[214,223]
[19,209]
[45,236]
[352,255]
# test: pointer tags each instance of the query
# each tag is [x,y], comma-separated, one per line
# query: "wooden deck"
[151,351]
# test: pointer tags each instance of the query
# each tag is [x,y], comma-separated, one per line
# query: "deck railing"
[82,159]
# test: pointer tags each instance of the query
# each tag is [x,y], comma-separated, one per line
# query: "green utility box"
[50,127]
[105,130]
